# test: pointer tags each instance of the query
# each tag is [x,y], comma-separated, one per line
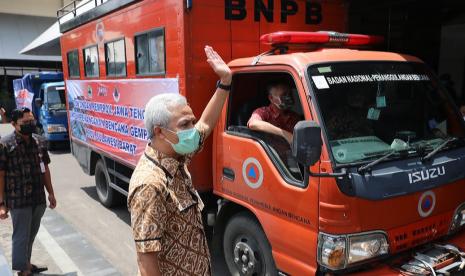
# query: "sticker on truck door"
[252,173]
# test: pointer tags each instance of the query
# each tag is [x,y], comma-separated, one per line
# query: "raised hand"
[218,65]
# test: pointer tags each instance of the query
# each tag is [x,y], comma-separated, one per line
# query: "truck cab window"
[73,64]
[115,56]
[373,108]
[91,61]
[150,52]
[270,98]
[56,98]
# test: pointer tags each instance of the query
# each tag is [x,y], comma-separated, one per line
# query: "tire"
[107,196]
[244,242]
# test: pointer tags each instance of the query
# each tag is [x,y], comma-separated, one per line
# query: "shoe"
[24,273]
[38,269]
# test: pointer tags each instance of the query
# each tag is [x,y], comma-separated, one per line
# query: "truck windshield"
[370,109]
[56,97]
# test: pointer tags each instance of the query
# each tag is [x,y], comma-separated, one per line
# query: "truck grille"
[418,233]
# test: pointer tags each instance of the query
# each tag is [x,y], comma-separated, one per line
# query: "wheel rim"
[247,256]
[102,187]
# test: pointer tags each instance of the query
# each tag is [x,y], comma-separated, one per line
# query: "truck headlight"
[340,251]
[458,220]
[52,128]
[367,246]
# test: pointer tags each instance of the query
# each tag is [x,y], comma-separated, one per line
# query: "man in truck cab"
[165,207]
[276,118]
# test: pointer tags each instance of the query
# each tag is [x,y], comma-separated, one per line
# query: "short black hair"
[274,84]
[18,113]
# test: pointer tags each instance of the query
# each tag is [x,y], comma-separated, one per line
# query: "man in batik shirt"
[165,207]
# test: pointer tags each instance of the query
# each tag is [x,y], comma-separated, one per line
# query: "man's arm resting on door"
[259,125]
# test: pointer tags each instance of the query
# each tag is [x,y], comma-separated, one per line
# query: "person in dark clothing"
[24,173]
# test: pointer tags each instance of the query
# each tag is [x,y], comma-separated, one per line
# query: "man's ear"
[157,132]
[270,97]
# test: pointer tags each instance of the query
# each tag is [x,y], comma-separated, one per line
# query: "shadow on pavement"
[121,211]
[60,148]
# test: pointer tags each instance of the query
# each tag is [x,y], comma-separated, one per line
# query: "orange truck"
[373,182]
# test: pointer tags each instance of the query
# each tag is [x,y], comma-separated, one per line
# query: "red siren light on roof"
[280,38]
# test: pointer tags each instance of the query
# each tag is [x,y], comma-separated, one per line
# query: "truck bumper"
[388,268]
[55,137]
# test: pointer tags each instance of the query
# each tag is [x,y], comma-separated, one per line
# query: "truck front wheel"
[105,193]
[246,248]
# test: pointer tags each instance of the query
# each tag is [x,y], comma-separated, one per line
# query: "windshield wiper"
[438,148]
[380,159]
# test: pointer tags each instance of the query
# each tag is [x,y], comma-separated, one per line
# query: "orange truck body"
[291,217]
[186,34]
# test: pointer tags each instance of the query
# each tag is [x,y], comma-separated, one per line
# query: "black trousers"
[26,223]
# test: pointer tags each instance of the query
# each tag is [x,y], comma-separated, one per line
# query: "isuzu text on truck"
[373,182]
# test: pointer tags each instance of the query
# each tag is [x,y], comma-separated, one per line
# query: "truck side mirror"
[38,102]
[307,143]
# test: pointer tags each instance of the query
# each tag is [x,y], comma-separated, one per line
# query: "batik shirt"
[166,213]
[20,160]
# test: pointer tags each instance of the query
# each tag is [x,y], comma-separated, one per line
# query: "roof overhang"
[46,44]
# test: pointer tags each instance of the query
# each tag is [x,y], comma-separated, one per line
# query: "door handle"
[229,174]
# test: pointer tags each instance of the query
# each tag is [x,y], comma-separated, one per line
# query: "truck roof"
[301,60]
[43,76]
[48,84]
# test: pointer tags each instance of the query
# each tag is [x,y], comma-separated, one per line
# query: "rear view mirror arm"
[343,172]
[309,173]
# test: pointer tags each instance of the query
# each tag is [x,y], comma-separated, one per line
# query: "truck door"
[256,170]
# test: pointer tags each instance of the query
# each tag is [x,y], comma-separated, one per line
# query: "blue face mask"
[189,140]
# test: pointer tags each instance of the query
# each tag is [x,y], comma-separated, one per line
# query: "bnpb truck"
[373,182]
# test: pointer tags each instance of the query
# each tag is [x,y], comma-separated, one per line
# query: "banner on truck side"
[109,114]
